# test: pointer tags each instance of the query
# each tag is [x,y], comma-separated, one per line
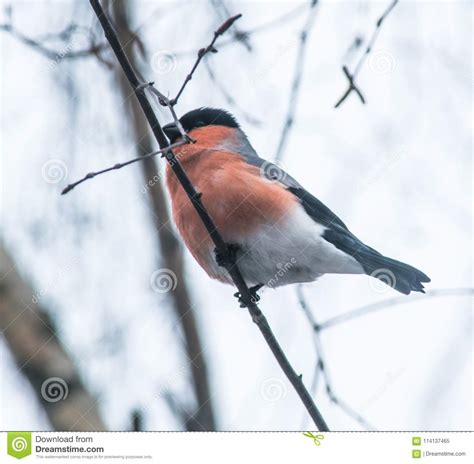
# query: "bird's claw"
[254,297]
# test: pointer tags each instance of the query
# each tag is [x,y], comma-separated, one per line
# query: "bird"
[277,232]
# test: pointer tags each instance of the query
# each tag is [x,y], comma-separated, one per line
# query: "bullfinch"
[279,232]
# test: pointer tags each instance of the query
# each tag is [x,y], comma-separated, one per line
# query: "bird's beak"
[171,131]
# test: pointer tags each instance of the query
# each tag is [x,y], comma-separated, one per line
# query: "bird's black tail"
[398,275]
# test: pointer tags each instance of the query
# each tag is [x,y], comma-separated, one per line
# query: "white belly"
[290,251]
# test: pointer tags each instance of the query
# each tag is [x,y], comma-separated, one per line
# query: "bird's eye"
[200,123]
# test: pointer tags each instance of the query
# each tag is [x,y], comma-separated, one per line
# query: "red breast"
[237,197]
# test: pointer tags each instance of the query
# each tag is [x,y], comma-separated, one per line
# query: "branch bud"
[226,24]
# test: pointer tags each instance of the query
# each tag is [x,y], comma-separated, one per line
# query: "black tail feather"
[398,275]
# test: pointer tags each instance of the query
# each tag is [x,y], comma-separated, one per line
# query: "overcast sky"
[397,170]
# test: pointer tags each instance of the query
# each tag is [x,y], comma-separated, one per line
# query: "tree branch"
[295,86]
[203,52]
[170,249]
[321,366]
[93,174]
[58,55]
[41,356]
[239,36]
[273,23]
[195,198]
[352,76]
[374,307]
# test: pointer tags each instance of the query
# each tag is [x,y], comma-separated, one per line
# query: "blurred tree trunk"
[40,355]
[171,252]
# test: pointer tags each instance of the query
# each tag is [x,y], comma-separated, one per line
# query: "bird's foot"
[254,297]
[229,258]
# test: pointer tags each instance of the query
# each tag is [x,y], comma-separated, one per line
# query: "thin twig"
[297,77]
[239,36]
[374,307]
[321,365]
[91,175]
[203,52]
[352,88]
[316,341]
[65,34]
[92,50]
[163,100]
[195,198]
[169,246]
[352,76]
[283,19]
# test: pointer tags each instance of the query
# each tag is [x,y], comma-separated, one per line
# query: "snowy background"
[397,170]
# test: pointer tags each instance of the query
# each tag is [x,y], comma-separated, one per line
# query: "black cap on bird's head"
[200,117]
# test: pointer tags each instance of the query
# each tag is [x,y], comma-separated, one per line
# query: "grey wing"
[315,208]
[267,169]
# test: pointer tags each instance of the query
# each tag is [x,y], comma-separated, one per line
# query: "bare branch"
[169,246]
[91,175]
[40,354]
[163,100]
[374,307]
[273,23]
[352,76]
[204,51]
[352,88]
[195,198]
[57,55]
[239,36]
[297,77]
[321,365]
